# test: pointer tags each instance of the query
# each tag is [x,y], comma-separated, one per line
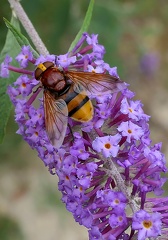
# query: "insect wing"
[96,83]
[56,118]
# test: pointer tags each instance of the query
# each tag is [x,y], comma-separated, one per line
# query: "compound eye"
[38,73]
[42,67]
[48,64]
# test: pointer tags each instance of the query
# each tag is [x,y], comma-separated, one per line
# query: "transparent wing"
[56,118]
[95,83]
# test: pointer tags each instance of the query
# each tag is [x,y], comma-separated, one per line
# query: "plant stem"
[28,26]
[121,186]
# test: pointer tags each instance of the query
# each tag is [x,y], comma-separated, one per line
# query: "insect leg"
[37,90]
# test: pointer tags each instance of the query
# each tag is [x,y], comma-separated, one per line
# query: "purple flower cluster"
[108,167]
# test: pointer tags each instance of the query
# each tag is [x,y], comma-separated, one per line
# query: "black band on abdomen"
[73,111]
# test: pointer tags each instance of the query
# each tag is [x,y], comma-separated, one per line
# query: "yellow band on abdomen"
[84,113]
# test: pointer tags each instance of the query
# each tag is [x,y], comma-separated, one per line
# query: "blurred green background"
[135,36]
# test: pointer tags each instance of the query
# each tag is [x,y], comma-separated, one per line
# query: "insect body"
[66,94]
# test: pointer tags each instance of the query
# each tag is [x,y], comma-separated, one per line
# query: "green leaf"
[14,41]
[21,39]
[11,48]
[85,25]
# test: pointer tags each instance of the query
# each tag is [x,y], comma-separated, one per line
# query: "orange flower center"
[147,223]
[129,131]
[116,201]
[67,178]
[120,218]
[107,145]
[24,85]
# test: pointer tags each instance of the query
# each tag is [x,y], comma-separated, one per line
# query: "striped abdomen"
[80,107]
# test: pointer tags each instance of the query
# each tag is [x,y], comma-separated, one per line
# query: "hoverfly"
[66,94]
